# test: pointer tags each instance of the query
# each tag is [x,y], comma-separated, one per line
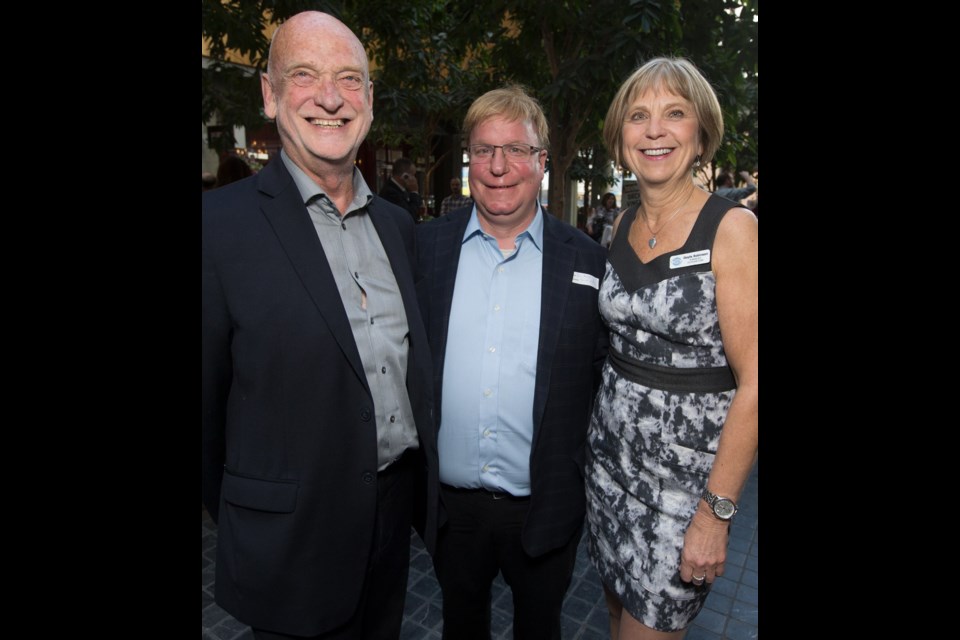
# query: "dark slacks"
[379,614]
[480,539]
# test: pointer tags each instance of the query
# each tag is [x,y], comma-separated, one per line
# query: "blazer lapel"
[559,258]
[286,213]
[443,264]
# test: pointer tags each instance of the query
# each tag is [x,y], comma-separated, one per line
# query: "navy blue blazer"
[289,434]
[572,347]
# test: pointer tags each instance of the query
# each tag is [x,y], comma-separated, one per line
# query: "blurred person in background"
[402,188]
[600,224]
[726,189]
[207,181]
[231,169]
[456,199]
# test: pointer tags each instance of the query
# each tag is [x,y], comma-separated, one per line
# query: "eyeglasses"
[480,153]
[348,80]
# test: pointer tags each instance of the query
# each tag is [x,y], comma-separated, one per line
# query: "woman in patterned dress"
[674,430]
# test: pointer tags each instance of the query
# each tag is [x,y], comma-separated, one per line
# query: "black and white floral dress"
[656,424]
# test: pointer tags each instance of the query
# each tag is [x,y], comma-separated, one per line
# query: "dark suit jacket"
[289,434]
[573,345]
[402,198]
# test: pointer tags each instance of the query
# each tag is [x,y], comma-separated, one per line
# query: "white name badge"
[587,279]
[690,259]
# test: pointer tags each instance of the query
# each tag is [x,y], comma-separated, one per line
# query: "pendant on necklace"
[652,242]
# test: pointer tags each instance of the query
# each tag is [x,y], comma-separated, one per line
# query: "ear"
[269,99]
[370,98]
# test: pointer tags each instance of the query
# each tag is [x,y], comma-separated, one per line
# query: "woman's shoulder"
[738,220]
[737,236]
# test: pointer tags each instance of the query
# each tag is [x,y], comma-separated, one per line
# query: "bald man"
[316,372]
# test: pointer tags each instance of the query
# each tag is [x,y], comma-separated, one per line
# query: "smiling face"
[661,137]
[322,125]
[506,191]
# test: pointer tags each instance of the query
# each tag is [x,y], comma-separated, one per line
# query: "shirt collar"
[534,231]
[309,189]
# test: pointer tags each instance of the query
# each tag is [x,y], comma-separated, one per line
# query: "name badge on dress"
[690,259]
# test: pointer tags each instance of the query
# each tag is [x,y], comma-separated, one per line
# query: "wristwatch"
[723,508]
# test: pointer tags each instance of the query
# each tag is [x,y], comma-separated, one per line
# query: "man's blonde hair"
[512,103]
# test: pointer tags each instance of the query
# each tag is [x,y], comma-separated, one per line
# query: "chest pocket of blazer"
[263,495]
[582,308]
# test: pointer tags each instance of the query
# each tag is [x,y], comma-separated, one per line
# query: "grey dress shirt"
[379,322]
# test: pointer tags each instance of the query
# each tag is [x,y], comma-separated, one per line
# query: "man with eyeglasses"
[316,371]
[509,297]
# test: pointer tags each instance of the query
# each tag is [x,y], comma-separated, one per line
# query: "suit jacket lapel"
[559,258]
[286,213]
[444,262]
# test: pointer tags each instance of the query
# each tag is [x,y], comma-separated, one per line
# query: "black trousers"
[379,614]
[480,539]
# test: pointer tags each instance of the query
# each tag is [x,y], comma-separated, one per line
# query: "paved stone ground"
[731,612]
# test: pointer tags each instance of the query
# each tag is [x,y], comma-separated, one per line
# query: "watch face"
[724,508]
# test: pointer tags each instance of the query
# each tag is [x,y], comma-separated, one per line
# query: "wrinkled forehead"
[318,41]
[505,125]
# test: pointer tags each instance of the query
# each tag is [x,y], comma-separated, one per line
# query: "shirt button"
[356,275]
[486,433]
[492,349]
[496,307]
[365,414]
[499,269]
[487,393]
[383,369]
[371,320]
[485,468]
[367,477]
[393,418]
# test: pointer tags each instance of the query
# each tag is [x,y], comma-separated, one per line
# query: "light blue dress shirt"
[490,369]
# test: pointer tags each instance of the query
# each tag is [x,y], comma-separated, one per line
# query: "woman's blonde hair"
[678,76]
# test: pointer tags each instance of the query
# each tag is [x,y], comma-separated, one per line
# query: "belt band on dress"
[698,380]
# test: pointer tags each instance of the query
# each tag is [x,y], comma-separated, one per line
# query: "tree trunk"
[557,191]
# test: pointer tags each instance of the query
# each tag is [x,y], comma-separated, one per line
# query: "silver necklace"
[652,242]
